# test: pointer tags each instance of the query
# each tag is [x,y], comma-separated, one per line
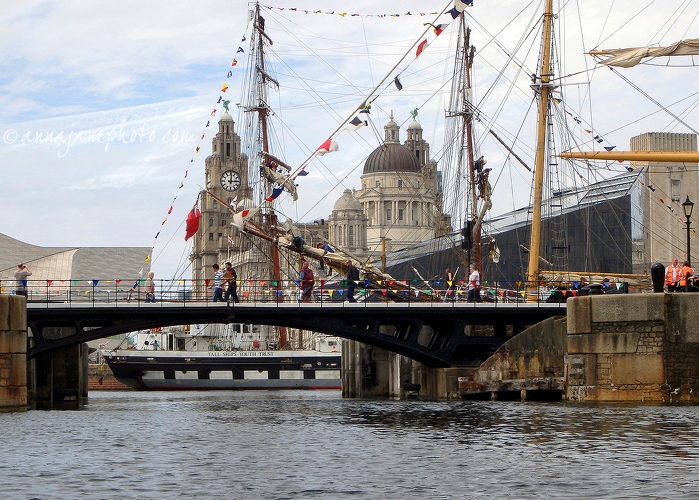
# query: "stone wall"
[13,351]
[638,347]
[534,360]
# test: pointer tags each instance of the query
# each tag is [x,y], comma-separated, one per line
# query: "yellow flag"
[147,259]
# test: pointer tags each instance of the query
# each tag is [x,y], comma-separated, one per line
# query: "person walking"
[307,282]
[673,273]
[218,279]
[474,284]
[229,278]
[450,295]
[21,276]
[352,277]
[150,288]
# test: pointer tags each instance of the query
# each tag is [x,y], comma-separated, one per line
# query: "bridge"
[436,334]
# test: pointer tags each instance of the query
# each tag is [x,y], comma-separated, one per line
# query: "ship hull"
[226,370]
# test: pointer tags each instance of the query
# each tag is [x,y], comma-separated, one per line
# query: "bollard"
[657,274]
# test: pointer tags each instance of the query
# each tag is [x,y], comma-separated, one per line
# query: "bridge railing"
[330,292]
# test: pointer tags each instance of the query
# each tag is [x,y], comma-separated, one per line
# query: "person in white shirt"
[474,284]
[21,276]
[673,274]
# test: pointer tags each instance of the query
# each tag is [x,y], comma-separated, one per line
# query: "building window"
[350,235]
[224,222]
[400,214]
[339,235]
[228,150]
[211,221]
[378,184]
[400,183]
[388,214]
[214,203]
[675,189]
[211,236]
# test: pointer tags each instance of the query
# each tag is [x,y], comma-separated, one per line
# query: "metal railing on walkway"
[330,292]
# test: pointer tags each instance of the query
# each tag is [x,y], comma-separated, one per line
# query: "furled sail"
[626,58]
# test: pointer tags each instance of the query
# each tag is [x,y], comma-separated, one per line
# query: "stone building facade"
[400,197]
[660,233]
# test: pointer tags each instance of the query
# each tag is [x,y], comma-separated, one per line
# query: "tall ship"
[422,214]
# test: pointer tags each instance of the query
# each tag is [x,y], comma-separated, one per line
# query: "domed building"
[401,193]
[348,224]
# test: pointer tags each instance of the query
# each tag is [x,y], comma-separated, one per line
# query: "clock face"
[230,180]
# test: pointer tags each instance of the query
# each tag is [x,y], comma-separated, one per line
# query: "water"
[288,445]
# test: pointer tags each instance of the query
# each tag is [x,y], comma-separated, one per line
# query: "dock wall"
[638,347]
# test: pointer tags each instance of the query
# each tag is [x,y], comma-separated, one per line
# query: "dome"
[414,125]
[391,157]
[226,116]
[347,202]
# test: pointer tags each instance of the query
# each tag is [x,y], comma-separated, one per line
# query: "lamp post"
[688,206]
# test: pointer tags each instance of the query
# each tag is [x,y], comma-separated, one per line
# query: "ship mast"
[543,86]
[269,217]
[469,53]
[462,107]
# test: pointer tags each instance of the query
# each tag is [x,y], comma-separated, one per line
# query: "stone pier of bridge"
[13,351]
[55,378]
[372,372]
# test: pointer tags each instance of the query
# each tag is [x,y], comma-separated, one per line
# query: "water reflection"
[317,445]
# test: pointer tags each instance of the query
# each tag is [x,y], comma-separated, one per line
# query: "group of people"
[678,278]
[225,283]
[307,281]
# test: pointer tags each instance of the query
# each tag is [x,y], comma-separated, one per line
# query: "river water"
[300,445]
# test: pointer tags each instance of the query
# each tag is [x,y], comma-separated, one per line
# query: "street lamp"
[688,206]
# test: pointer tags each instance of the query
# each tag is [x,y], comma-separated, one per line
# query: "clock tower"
[226,176]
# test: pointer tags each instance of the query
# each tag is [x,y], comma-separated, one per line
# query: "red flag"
[421,47]
[328,146]
[192,222]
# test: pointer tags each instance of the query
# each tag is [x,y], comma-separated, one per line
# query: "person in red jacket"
[307,282]
[687,272]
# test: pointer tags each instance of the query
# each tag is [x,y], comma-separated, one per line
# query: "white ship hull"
[226,370]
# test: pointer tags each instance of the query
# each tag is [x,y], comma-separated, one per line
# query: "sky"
[103,104]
